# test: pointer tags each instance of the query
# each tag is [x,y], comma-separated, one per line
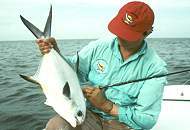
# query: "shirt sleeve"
[144,114]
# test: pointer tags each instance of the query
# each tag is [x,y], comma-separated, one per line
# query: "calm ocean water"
[21,103]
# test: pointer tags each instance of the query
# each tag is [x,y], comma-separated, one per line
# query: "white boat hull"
[175,109]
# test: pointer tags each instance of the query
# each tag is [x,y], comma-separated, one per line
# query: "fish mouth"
[77,121]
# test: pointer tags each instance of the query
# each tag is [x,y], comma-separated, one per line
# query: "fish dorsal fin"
[66,90]
[77,64]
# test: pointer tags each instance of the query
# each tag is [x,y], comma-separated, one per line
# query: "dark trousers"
[92,122]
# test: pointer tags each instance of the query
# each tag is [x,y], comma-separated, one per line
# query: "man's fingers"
[45,51]
[38,41]
[87,95]
[88,90]
[50,41]
[45,45]
[91,92]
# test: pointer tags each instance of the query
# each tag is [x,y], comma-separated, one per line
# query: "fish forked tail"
[37,32]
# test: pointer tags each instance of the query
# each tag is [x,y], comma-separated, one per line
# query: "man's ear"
[148,32]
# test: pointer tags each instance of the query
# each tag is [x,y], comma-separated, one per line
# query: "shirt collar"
[116,52]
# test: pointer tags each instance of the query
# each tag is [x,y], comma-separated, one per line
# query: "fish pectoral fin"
[28,78]
[66,90]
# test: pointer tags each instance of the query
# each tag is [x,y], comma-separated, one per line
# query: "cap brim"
[121,29]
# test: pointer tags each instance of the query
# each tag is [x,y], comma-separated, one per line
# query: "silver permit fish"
[58,80]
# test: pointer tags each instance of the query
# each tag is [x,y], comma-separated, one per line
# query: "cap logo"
[128,19]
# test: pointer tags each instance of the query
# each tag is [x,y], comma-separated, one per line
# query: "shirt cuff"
[123,115]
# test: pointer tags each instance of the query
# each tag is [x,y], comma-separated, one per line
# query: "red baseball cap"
[132,20]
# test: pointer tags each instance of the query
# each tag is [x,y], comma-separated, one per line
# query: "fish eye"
[79,113]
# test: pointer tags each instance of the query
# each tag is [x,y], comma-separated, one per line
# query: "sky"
[88,19]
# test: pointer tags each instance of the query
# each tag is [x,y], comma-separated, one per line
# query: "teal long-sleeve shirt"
[139,103]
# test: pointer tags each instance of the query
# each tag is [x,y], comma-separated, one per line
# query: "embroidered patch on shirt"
[101,66]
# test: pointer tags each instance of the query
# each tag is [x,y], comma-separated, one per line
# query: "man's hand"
[96,97]
[45,45]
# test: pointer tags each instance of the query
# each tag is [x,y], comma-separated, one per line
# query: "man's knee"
[58,123]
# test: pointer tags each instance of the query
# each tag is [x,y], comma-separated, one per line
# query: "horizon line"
[94,39]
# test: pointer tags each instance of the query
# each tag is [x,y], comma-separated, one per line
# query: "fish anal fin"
[28,78]
[66,90]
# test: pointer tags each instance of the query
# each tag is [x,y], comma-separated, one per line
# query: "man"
[119,59]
